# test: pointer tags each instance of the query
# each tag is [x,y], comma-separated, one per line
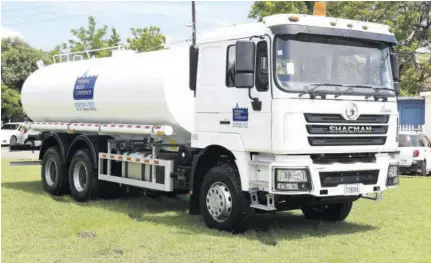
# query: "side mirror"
[395,66]
[244,63]
[193,74]
[397,87]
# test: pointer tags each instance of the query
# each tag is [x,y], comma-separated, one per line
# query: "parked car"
[415,153]
[14,133]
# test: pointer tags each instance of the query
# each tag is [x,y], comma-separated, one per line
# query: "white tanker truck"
[295,112]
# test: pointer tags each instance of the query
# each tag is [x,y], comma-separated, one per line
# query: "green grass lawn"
[40,228]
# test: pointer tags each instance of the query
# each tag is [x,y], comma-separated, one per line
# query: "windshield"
[408,140]
[10,127]
[303,60]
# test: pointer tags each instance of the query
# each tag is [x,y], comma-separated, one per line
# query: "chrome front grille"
[334,130]
[338,118]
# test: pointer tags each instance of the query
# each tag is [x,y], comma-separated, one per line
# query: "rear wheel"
[84,184]
[54,172]
[29,142]
[223,204]
[331,212]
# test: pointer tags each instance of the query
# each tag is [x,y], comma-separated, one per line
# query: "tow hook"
[377,197]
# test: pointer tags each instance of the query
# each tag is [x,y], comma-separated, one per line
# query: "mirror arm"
[256,104]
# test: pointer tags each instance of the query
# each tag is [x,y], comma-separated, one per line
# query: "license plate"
[351,189]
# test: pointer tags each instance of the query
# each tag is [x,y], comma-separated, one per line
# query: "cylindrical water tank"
[141,88]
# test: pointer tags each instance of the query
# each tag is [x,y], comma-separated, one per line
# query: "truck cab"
[307,105]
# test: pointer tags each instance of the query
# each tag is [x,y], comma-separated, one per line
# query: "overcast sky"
[46,24]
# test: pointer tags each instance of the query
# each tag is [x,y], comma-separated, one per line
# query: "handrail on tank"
[76,54]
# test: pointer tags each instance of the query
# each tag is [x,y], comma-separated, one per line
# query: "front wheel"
[223,204]
[331,212]
[13,140]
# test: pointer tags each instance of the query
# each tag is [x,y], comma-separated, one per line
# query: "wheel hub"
[50,172]
[80,176]
[219,201]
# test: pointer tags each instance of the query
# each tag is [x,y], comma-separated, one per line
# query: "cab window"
[261,77]
[230,66]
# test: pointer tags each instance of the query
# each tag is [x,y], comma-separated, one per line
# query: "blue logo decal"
[84,87]
[240,114]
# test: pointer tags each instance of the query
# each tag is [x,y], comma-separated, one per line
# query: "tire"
[331,212]
[54,172]
[13,140]
[424,168]
[29,142]
[83,182]
[234,209]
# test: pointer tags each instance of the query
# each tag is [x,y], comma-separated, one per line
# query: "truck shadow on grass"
[173,212]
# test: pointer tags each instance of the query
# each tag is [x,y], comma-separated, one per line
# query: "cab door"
[222,108]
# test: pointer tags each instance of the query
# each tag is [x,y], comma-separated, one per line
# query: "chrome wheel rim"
[219,202]
[80,176]
[50,172]
[13,140]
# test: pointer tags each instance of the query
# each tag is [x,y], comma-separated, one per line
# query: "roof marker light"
[293,18]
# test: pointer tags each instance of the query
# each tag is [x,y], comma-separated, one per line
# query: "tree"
[146,39]
[260,9]
[93,38]
[114,39]
[18,61]
[410,22]
[10,103]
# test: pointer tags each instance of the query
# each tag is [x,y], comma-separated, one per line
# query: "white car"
[14,133]
[415,153]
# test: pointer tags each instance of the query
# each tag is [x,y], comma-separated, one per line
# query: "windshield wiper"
[348,90]
[376,89]
[317,86]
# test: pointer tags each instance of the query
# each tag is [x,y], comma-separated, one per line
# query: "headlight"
[291,175]
[292,180]
[393,171]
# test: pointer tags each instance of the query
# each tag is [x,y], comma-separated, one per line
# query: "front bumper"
[347,179]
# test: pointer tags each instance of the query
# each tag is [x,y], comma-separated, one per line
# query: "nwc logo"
[84,87]
[239,114]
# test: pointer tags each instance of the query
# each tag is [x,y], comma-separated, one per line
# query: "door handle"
[224,122]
